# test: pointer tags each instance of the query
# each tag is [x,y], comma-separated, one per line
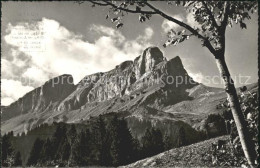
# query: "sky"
[78,40]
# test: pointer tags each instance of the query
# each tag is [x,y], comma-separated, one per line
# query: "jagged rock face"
[147,61]
[41,98]
[73,101]
[147,70]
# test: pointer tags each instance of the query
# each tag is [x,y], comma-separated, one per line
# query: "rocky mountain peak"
[153,53]
[150,57]
[62,79]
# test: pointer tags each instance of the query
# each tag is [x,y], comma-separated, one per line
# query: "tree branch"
[225,13]
[206,42]
[212,18]
[107,3]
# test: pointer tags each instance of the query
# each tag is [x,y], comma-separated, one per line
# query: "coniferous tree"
[46,150]
[7,150]
[152,142]
[136,150]
[99,142]
[83,148]
[58,140]
[158,140]
[65,152]
[55,141]
[17,159]
[35,152]
[167,142]
[122,144]
[72,138]
[181,137]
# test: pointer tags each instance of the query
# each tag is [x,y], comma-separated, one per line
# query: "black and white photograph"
[129,84]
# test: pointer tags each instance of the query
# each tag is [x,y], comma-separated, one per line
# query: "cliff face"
[149,69]
[42,98]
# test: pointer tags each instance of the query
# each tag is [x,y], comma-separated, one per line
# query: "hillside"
[195,155]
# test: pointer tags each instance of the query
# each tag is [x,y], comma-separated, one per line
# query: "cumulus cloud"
[147,36]
[168,25]
[37,75]
[12,90]
[62,51]
[5,101]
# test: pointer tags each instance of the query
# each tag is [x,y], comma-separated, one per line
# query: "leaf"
[142,18]
[119,25]
[164,45]
[175,42]
[115,19]
[242,25]
[168,42]
[172,32]
[236,21]
[189,3]
[148,16]
[230,23]
[181,40]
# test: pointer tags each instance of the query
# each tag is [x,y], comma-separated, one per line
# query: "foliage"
[152,142]
[35,152]
[231,154]
[9,157]
[182,141]
[167,142]
[17,159]
[218,123]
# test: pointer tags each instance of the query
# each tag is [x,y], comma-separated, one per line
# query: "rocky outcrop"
[148,70]
[42,98]
[151,57]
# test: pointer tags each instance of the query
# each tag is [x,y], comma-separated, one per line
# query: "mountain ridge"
[148,82]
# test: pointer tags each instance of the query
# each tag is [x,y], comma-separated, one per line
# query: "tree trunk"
[238,116]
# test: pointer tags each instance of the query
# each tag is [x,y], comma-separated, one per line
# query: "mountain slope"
[195,155]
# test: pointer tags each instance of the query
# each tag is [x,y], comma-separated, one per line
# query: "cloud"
[168,25]
[12,90]
[37,75]
[61,51]
[6,69]
[148,34]
[6,101]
